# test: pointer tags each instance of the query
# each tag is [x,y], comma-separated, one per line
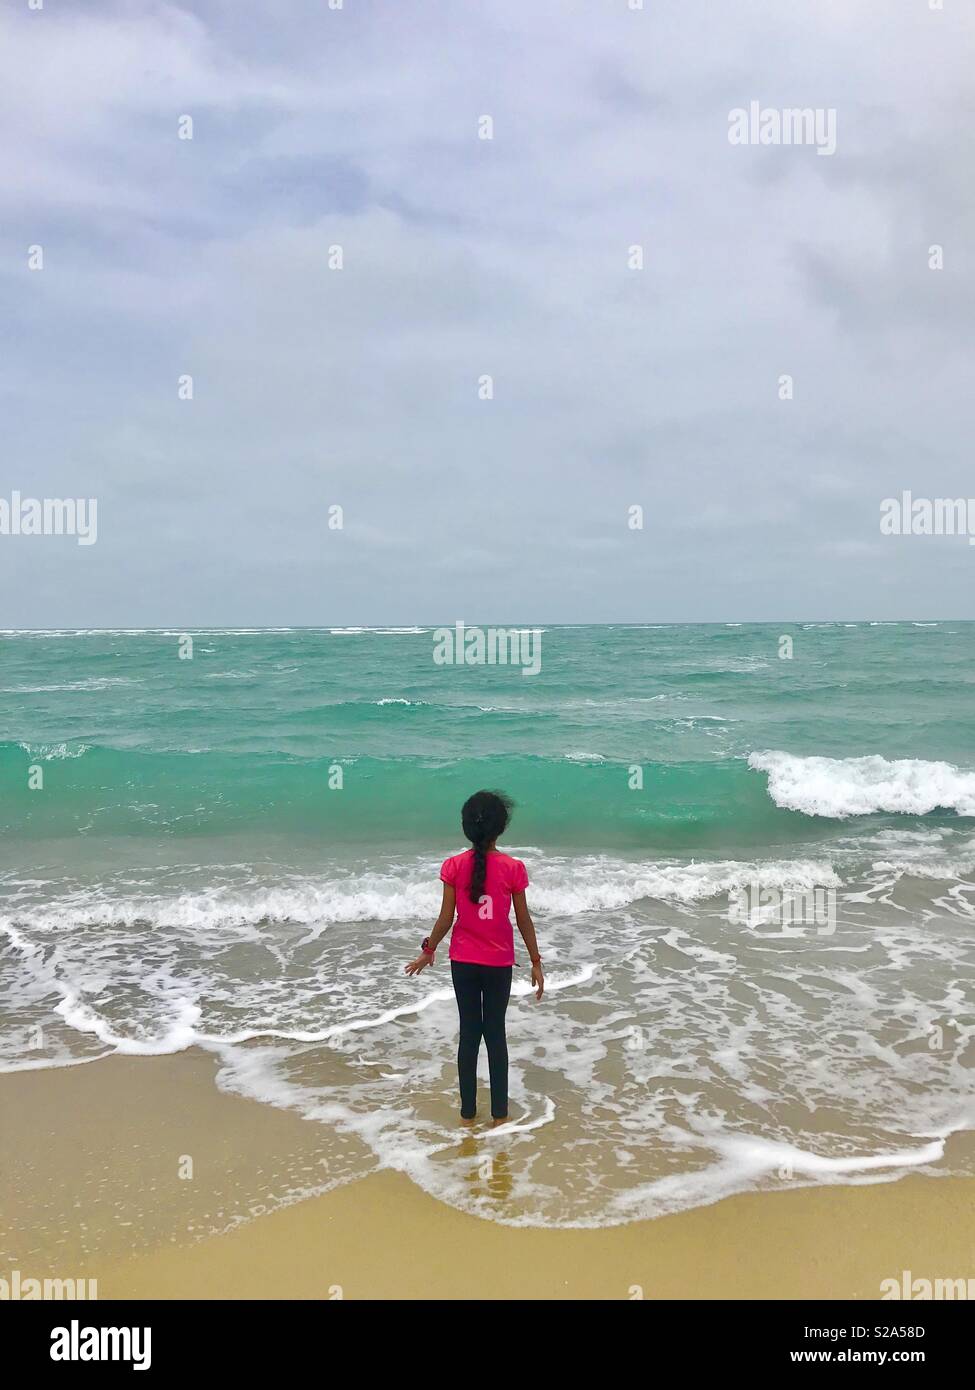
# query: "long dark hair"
[484,817]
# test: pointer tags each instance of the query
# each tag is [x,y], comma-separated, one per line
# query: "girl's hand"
[538,980]
[421,963]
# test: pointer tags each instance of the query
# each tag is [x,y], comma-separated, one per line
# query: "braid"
[480,872]
[484,817]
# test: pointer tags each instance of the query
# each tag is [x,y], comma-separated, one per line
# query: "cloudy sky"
[463,258]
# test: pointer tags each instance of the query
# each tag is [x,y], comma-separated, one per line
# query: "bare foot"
[502,1120]
[467,1123]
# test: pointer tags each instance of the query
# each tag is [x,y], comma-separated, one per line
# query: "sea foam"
[558,887]
[841,787]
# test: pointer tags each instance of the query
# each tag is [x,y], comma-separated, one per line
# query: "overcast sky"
[466,257]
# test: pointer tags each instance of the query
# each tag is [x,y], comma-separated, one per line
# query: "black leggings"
[482,997]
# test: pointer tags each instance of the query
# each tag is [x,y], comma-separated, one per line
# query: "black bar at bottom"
[193,1337]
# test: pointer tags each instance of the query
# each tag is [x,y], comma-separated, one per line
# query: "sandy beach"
[93,1156]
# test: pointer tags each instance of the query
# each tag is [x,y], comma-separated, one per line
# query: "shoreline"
[93,1156]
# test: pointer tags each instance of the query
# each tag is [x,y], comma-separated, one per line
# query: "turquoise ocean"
[239,851]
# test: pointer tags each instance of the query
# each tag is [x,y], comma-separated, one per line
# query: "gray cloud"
[463,257]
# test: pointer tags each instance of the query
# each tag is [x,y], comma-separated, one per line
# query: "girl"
[482,883]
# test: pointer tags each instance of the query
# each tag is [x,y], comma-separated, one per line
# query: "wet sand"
[95,1163]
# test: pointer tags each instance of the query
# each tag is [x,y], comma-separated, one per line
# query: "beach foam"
[654,1036]
[582,884]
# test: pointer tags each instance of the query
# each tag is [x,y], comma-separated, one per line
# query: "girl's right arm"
[440,929]
[527,928]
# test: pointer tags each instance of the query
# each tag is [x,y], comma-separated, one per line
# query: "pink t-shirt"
[482,932]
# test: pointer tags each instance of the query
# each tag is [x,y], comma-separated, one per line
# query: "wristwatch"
[426,948]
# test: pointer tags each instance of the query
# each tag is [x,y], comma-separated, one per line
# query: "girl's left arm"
[527,928]
[440,929]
